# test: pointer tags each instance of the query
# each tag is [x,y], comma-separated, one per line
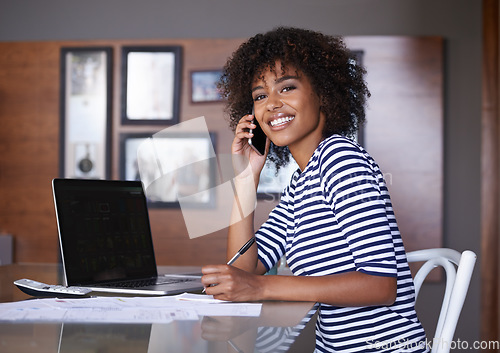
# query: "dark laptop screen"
[104,230]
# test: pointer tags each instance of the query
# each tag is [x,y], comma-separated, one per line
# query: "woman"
[334,222]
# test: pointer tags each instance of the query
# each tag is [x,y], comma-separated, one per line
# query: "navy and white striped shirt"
[336,216]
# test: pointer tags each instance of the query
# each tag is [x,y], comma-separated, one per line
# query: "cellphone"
[258,141]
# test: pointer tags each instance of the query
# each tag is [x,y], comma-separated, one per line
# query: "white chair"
[457,284]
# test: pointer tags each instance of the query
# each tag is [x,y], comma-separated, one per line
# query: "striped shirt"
[280,339]
[334,217]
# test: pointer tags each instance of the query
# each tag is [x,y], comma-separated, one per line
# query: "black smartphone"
[258,141]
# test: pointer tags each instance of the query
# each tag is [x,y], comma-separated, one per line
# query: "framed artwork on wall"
[129,144]
[151,84]
[170,166]
[204,86]
[85,112]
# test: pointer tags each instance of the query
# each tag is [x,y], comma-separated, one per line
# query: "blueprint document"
[124,309]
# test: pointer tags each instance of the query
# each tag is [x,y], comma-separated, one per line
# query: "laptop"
[106,242]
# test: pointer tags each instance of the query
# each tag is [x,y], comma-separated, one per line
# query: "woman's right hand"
[244,154]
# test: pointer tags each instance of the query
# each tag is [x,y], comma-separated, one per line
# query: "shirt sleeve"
[356,192]
[271,236]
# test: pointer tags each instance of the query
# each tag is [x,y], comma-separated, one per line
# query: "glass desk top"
[281,326]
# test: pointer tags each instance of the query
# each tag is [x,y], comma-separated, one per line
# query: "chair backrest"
[457,284]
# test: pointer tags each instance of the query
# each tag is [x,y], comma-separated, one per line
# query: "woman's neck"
[302,152]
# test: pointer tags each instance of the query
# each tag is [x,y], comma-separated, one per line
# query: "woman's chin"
[279,142]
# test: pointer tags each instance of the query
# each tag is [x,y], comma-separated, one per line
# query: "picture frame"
[85,112]
[204,86]
[154,161]
[129,143]
[151,84]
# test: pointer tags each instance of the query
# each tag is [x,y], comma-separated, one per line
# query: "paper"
[125,309]
[205,298]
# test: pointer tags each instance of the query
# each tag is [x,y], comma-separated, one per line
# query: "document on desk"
[124,309]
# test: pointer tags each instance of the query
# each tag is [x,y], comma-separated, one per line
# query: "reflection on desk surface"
[282,326]
[104,338]
[275,330]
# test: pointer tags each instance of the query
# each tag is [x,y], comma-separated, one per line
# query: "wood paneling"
[404,134]
[404,130]
[490,158]
[29,115]
[29,146]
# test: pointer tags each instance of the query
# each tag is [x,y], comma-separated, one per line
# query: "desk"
[208,334]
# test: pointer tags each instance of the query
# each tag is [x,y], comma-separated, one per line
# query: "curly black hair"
[331,68]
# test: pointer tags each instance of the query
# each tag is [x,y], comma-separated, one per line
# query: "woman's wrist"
[245,196]
[263,286]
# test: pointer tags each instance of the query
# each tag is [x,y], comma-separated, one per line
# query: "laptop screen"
[104,230]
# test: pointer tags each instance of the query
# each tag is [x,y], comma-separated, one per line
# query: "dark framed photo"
[129,144]
[171,166]
[151,84]
[204,86]
[85,112]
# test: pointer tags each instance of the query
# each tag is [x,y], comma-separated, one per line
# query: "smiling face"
[288,110]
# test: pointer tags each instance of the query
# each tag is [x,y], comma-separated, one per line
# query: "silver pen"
[243,250]
[240,252]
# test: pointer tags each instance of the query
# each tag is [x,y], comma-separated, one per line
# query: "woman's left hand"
[227,282]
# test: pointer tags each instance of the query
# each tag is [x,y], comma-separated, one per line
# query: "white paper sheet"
[124,309]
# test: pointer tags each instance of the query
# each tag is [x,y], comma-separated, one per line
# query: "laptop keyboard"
[146,282]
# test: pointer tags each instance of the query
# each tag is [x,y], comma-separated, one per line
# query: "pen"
[235,347]
[240,252]
[243,250]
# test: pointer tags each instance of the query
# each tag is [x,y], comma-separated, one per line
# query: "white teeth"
[281,121]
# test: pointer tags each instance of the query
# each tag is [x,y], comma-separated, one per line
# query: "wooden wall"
[490,165]
[404,134]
